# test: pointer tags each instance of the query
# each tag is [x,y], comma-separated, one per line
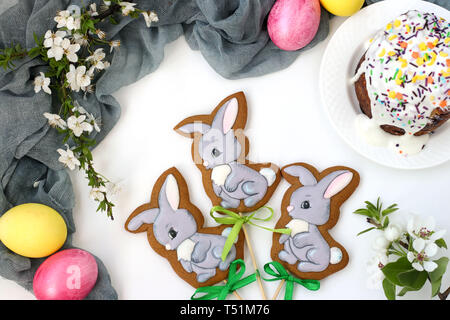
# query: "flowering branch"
[405,254]
[71,70]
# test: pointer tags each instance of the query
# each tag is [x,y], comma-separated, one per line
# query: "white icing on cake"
[372,134]
[297,226]
[185,249]
[220,173]
[407,71]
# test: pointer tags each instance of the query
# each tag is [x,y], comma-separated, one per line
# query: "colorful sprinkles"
[407,68]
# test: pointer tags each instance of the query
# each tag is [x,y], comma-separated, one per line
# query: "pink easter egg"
[292,24]
[67,275]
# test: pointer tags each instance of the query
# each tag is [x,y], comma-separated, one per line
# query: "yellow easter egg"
[33,230]
[343,8]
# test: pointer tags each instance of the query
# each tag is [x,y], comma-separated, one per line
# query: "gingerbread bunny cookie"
[175,230]
[220,149]
[310,207]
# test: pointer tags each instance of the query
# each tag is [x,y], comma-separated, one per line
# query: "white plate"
[338,95]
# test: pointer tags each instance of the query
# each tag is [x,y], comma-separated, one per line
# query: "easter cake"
[402,82]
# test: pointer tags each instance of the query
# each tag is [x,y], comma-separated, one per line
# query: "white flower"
[93,10]
[114,44]
[81,39]
[100,34]
[373,267]
[55,120]
[42,83]
[150,17]
[70,50]
[420,257]
[97,59]
[113,189]
[73,23]
[78,125]
[77,78]
[79,108]
[107,3]
[61,18]
[393,232]
[98,194]
[56,52]
[53,39]
[423,227]
[127,7]
[68,158]
[381,244]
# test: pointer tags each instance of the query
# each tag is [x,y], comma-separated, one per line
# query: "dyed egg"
[33,230]
[67,275]
[343,8]
[292,24]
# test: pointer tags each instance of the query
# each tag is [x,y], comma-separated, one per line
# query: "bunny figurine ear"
[146,217]
[305,176]
[189,129]
[226,116]
[170,194]
[338,184]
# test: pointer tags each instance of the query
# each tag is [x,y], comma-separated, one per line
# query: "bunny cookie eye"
[216,153]
[305,205]
[172,233]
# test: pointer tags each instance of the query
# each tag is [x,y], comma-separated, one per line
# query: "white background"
[286,124]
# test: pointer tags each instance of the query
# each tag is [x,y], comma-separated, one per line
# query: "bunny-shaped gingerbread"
[219,150]
[310,208]
[174,230]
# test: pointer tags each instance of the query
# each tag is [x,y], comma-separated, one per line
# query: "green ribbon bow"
[277,270]
[238,221]
[234,282]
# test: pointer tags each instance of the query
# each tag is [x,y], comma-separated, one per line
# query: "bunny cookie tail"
[335,255]
[269,174]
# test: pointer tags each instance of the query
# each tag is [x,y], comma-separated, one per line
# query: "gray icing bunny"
[309,207]
[220,146]
[176,229]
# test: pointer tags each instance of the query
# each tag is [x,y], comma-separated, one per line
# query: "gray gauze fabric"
[229,33]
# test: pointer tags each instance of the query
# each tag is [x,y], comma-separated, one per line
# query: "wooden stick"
[235,293]
[277,292]
[252,255]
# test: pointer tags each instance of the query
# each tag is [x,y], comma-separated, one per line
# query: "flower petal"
[430,266]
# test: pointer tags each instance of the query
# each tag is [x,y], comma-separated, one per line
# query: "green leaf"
[440,270]
[393,269]
[441,243]
[435,287]
[413,279]
[385,222]
[389,210]
[389,289]
[403,291]
[363,212]
[364,231]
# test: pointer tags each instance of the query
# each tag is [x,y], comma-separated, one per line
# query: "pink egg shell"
[67,275]
[292,24]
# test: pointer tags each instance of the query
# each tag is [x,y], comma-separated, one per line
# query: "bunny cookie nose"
[168,247]
[205,163]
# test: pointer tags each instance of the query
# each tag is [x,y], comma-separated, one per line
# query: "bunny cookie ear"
[190,128]
[339,180]
[145,217]
[305,176]
[225,118]
[169,195]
